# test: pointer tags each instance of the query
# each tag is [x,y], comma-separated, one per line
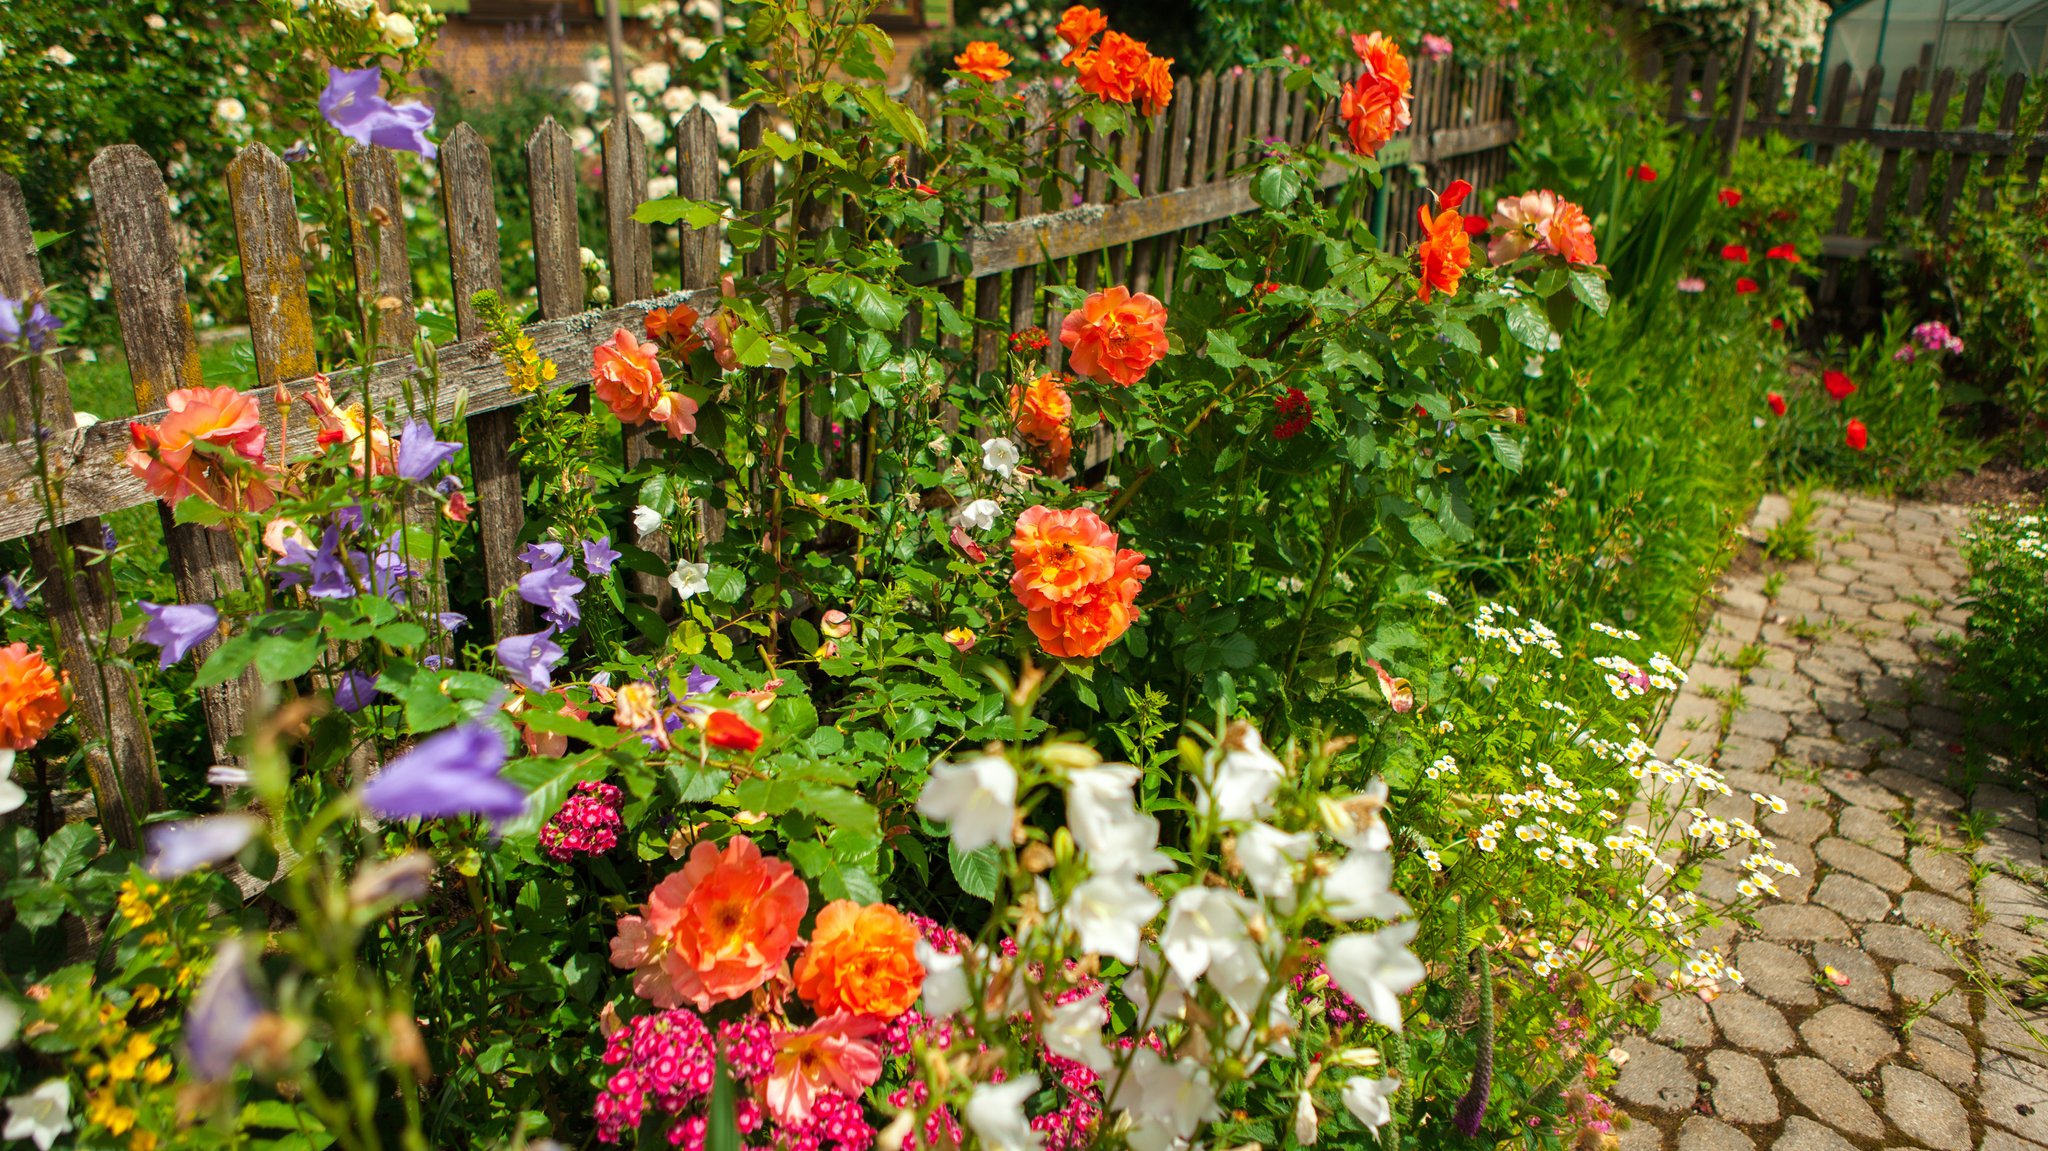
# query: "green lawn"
[102,385]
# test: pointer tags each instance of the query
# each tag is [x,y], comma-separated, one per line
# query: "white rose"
[230,110]
[979,515]
[584,95]
[398,30]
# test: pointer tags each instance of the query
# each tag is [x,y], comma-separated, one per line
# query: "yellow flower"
[102,1110]
[146,995]
[156,1071]
[138,902]
[142,1140]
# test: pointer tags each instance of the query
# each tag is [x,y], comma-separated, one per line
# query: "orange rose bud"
[984,60]
[1446,251]
[862,960]
[31,697]
[676,327]
[1079,25]
[729,732]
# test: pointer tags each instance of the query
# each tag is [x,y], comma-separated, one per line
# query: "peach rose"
[1115,336]
[714,931]
[861,960]
[627,377]
[31,697]
[831,1055]
[984,60]
[1570,234]
[168,460]
[369,445]
[1087,623]
[1058,554]
[1042,410]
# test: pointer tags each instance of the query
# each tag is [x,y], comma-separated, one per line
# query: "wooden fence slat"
[1205,115]
[273,265]
[1772,94]
[697,179]
[2008,117]
[557,244]
[757,191]
[141,258]
[1832,109]
[1241,130]
[1094,185]
[996,204]
[1151,177]
[625,188]
[1681,81]
[1959,163]
[1130,143]
[1888,163]
[1802,109]
[121,761]
[470,206]
[376,222]
[1024,280]
[2030,178]
[1937,118]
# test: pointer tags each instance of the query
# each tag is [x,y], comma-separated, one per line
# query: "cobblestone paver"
[1824,682]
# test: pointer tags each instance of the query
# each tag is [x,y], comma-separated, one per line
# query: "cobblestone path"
[1826,685]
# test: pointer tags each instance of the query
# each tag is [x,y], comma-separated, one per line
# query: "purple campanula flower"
[177,628]
[433,662]
[352,105]
[355,691]
[10,321]
[16,594]
[350,518]
[446,775]
[541,554]
[41,326]
[530,657]
[419,453]
[186,846]
[598,556]
[451,621]
[388,570]
[300,150]
[222,1015]
[108,541]
[19,318]
[554,588]
[449,485]
[699,682]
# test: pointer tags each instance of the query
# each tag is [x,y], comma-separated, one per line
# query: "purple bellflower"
[451,621]
[186,846]
[446,775]
[419,453]
[541,554]
[351,104]
[699,682]
[223,1014]
[18,319]
[598,556]
[177,628]
[554,588]
[530,657]
[355,691]
[17,595]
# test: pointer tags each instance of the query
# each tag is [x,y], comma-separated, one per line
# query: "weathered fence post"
[1739,107]
[120,758]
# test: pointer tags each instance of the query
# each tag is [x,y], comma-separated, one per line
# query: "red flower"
[1744,285]
[1730,197]
[730,732]
[1857,436]
[1785,252]
[1645,173]
[1838,384]
[1776,401]
[1736,253]
[1777,323]
[1477,225]
[1297,409]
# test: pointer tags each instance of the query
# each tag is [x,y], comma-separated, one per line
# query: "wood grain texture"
[376,222]
[631,243]
[79,599]
[757,191]
[557,242]
[697,179]
[273,265]
[133,212]
[1959,165]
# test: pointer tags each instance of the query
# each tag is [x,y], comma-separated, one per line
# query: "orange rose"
[31,697]
[1155,85]
[369,445]
[1079,25]
[715,930]
[676,327]
[984,60]
[167,460]
[1115,336]
[1058,554]
[1098,616]
[1571,233]
[862,960]
[1446,251]
[1375,106]
[627,377]
[1042,409]
[1111,71]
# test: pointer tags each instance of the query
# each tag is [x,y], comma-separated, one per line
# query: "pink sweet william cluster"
[1934,336]
[587,824]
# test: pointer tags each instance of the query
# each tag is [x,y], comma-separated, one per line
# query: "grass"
[101,385]
[1790,540]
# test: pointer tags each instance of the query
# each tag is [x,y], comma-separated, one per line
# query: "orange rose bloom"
[984,60]
[1042,409]
[627,377]
[1114,336]
[166,459]
[676,327]
[1571,233]
[715,930]
[1446,251]
[1079,25]
[1079,588]
[31,697]
[369,444]
[1375,106]
[1155,85]
[861,960]
[1111,71]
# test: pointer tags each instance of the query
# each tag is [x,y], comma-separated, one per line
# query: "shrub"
[2003,664]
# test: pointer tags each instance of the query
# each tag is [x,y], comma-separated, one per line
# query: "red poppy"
[730,732]
[1785,252]
[1857,436]
[1730,197]
[1838,384]
[1735,252]
[1777,323]
[1776,401]
[1744,285]
[1645,173]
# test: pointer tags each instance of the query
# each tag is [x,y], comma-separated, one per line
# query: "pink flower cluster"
[1933,336]
[1316,990]
[940,1128]
[588,823]
[665,1059]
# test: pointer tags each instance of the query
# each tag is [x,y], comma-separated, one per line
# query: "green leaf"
[669,209]
[901,121]
[190,511]
[843,808]
[722,1129]
[40,240]
[228,660]
[68,850]
[1276,186]
[727,584]
[1528,326]
[975,871]
[1590,289]
[284,657]
[1506,448]
[404,633]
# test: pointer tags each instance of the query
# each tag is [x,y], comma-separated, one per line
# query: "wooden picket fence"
[1188,162]
[1924,168]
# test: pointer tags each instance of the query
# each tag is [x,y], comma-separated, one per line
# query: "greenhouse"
[2010,36]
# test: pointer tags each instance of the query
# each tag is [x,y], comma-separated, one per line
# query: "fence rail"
[1927,153]
[1188,163]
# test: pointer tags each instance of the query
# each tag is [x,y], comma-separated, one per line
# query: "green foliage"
[2003,665]
[1790,540]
